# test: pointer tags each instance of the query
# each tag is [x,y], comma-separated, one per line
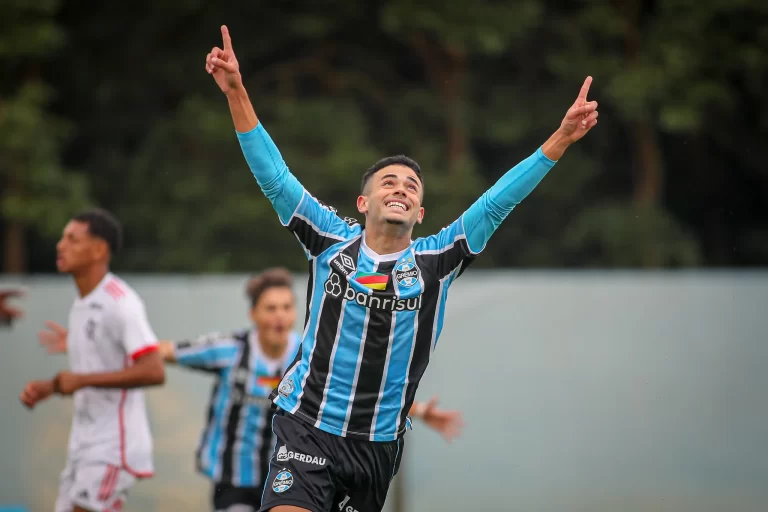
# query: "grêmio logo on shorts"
[283,455]
[387,303]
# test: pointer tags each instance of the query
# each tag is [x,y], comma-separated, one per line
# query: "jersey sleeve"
[137,336]
[210,352]
[316,226]
[456,245]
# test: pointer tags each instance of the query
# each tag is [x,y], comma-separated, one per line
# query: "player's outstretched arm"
[483,217]
[147,370]
[447,423]
[315,226]
[263,157]
[209,352]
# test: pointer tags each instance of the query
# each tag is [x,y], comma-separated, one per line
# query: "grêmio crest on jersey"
[393,288]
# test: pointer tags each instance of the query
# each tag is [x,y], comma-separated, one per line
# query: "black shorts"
[318,471]
[227,496]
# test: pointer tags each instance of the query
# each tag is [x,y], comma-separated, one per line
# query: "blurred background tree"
[673,176]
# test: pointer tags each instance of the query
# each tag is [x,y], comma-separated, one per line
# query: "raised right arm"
[317,227]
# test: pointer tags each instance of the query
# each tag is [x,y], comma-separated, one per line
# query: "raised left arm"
[486,214]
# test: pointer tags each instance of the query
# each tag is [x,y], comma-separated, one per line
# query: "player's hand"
[8,313]
[581,117]
[222,64]
[66,383]
[54,339]
[36,391]
[447,423]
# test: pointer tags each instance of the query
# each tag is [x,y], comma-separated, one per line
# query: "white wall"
[582,392]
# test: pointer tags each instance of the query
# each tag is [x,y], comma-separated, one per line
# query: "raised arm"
[315,226]
[483,217]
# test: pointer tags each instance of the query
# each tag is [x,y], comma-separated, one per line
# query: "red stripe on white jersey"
[123,460]
[114,289]
[143,351]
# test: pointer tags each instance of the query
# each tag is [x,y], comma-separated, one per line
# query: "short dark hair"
[391,160]
[104,225]
[277,277]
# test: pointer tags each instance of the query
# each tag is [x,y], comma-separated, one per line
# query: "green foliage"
[35,190]
[119,93]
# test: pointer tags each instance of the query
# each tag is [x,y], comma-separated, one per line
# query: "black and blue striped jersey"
[237,440]
[372,320]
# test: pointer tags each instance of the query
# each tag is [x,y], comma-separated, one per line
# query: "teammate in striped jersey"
[376,302]
[237,440]
[112,355]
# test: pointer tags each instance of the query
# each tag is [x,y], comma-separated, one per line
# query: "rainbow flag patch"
[372,280]
[268,382]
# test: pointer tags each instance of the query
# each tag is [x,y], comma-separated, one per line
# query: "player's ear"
[420,216]
[100,250]
[362,204]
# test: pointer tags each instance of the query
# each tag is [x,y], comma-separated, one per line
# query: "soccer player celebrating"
[376,302]
[237,441]
[112,354]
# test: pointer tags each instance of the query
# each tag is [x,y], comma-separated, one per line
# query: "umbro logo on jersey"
[344,264]
[283,454]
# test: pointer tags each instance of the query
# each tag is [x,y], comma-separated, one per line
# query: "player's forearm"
[241,108]
[278,184]
[485,216]
[555,146]
[150,372]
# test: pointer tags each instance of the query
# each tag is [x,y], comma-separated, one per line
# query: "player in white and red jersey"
[112,355]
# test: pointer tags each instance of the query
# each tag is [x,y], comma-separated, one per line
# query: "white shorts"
[94,486]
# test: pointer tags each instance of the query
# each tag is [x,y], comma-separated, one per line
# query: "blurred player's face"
[78,249]
[393,196]
[274,315]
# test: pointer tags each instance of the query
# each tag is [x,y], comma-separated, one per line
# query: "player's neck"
[273,350]
[88,279]
[387,238]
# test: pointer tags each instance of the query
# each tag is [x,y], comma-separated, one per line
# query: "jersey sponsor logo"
[351,221]
[344,502]
[283,481]
[96,306]
[344,264]
[388,303]
[407,273]
[283,454]
[286,387]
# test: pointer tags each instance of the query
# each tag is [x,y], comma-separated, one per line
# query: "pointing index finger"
[585,88]
[225,37]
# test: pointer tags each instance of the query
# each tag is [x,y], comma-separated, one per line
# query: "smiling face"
[393,196]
